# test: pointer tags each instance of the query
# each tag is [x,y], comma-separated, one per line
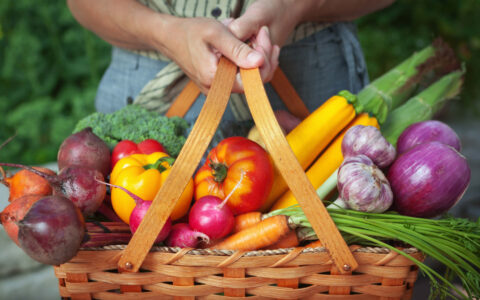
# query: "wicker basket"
[138,271]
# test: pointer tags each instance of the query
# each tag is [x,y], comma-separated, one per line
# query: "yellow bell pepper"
[143,175]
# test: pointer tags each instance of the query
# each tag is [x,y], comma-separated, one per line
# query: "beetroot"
[15,212]
[52,230]
[86,149]
[80,185]
[77,183]
[25,182]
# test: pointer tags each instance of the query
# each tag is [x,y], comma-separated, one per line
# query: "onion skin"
[363,186]
[369,141]
[428,180]
[427,131]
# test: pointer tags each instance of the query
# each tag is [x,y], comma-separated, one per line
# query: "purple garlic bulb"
[363,186]
[369,141]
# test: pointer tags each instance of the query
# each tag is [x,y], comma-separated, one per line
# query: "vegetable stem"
[453,242]
[328,185]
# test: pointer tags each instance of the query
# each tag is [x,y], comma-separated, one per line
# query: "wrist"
[159,31]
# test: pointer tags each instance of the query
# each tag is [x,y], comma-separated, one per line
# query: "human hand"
[202,43]
[261,42]
[279,16]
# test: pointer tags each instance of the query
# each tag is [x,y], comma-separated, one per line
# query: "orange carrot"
[314,244]
[288,241]
[246,220]
[263,234]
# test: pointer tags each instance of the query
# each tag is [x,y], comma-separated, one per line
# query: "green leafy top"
[135,123]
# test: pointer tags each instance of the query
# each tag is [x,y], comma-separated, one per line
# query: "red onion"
[428,179]
[363,186]
[369,141]
[427,131]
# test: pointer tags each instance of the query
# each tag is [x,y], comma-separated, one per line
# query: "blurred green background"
[50,66]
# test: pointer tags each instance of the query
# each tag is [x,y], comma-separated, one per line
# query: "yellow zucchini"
[313,134]
[327,163]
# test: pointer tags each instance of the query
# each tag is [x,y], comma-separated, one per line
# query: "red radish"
[211,216]
[183,236]
[15,212]
[139,213]
[428,180]
[86,149]
[77,183]
[427,131]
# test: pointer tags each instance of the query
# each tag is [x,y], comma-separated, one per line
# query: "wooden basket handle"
[195,147]
[280,83]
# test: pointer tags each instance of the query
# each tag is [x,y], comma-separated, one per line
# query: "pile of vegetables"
[136,124]
[386,171]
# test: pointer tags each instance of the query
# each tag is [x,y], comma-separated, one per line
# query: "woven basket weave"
[296,273]
[138,271]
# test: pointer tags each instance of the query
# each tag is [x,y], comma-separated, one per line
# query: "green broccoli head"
[135,123]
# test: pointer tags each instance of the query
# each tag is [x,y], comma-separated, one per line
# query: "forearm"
[123,23]
[337,10]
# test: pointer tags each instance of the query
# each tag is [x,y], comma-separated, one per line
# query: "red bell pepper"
[126,147]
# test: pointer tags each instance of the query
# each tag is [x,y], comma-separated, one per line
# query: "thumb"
[239,52]
[244,27]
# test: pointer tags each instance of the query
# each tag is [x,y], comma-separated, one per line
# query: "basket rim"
[281,251]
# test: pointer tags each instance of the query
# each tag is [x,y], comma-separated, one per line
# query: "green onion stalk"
[394,87]
[423,106]
[453,242]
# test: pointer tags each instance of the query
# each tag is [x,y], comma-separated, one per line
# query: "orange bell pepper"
[143,175]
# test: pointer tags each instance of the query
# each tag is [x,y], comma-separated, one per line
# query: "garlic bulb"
[363,186]
[369,141]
